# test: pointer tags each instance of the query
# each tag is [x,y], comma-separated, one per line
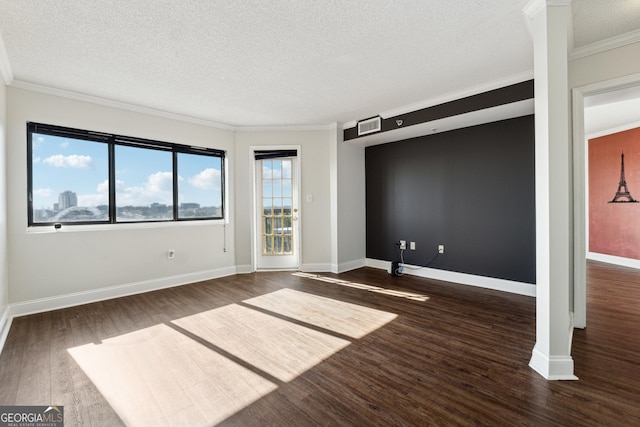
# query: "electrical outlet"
[440,249]
[171,254]
[412,246]
[403,244]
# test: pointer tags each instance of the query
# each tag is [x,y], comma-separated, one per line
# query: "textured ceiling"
[596,20]
[272,63]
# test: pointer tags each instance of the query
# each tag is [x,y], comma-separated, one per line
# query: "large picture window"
[82,177]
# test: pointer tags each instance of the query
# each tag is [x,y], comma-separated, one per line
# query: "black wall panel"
[471,189]
[493,98]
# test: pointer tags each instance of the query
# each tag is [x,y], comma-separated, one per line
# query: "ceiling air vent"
[369,125]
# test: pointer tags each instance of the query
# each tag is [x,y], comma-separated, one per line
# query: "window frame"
[113,140]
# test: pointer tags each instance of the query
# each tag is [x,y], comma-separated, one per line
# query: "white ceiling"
[281,63]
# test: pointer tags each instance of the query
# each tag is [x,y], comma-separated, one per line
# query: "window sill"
[124,226]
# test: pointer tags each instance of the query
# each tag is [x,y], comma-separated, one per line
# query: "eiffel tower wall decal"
[623,196]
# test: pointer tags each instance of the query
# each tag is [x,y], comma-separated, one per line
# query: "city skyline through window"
[65,168]
[63,164]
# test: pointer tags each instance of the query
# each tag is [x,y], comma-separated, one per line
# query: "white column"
[551,356]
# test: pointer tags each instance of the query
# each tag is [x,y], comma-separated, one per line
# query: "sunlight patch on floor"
[278,347]
[370,288]
[201,369]
[348,319]
[158,376]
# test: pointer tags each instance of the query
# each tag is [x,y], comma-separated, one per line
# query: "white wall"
[4,275]
[49,264]
[49,269]
[315,220]
[350,210]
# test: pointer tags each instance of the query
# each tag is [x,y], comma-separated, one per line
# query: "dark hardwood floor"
[351,349]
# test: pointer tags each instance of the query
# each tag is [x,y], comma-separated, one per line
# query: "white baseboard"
[461,278]
[315,268]
[85,297]
[5,325]
[552,367]
[244,269]
[348,266]
[612,259]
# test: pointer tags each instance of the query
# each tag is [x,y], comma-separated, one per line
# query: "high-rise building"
[67,199]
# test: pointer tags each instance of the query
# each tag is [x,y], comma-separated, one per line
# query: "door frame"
[580,213]
[256,242]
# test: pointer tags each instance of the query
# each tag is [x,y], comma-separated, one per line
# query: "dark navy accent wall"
[471,189]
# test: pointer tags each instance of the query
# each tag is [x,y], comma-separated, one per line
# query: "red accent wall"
[614,228]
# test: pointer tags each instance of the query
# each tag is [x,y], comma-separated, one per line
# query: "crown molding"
[18,84]
[474,90]
[285,128]
[605,45]
[5,66]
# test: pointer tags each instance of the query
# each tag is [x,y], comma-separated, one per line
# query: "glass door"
[277,221]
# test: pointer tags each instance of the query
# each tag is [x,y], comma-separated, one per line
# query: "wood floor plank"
[11,361]
[188,355]
[34,387]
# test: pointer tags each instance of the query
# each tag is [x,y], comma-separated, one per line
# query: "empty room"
[319,213]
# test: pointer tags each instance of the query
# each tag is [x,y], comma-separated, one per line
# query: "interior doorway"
[585,123]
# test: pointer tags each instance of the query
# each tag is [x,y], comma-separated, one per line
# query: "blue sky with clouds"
[143,176]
